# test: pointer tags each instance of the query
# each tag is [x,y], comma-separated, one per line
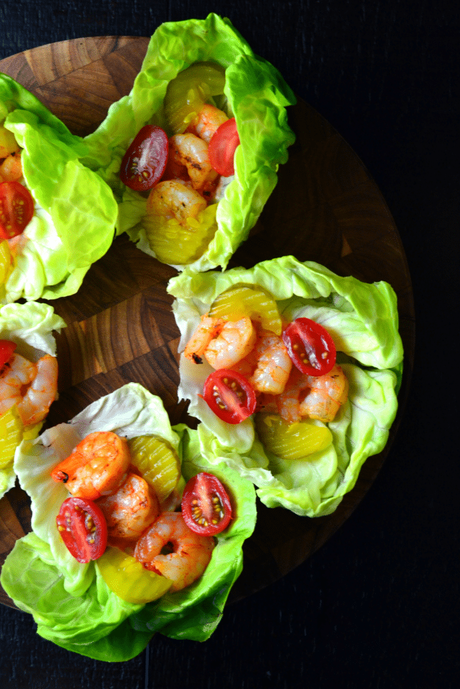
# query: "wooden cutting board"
[325,208]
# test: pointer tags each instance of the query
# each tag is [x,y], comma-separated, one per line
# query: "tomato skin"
[6,351]
[310,347]
[83,528]
[222,148]
[16,209]
[233,391]
[206,498]
[145,160]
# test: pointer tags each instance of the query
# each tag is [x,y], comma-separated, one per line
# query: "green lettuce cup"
[363,322]
[254,93]
[74,210]
[70,602]
[30,326]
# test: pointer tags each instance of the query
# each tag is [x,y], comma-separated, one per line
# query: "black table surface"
[378,604]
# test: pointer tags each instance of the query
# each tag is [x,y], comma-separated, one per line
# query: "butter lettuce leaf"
[363,321]
[255,94]
[75,212]
[69,601]
[30,326]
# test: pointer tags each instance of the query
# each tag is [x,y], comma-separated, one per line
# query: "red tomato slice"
[6,350]
[206,506]
[230,396]
[16,209]
[145,160]
[310,347]
[222,148]
[83,528]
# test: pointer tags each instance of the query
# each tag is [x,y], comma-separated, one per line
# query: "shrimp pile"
[99,469]
[32,387]
[262,358]
[189,183]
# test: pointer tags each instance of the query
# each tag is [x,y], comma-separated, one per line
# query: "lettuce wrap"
[75,212]
[70,602]
[363,322]
[255,94]
[31,327]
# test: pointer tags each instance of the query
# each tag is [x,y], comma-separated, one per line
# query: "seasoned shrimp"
[189,553]
[223,343]
[15,375]
[208,329]
[273,364]
[35,404]
[326,396]
[174,200]
[235,340]
[207,122]
[97,466]
[130,510]
[190,152]
[318,397]
[32,387]
[11,168]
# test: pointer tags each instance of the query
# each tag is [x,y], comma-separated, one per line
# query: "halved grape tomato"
[310,347]
[145,160]
[206,506]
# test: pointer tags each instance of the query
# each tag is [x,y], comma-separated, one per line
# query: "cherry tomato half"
[222,148]
[145,160]
[206,506]
[16,209]
[230,395]
[310,347]
[6,351]
[83,528]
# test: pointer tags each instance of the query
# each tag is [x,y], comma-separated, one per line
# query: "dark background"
[377,606]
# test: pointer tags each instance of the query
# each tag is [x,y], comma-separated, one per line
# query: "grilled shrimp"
[207,122]
[173,199]
[326,396]
[223,343]
[130,510]
[317,397]
[32,387]
[97,466]
[273,364]
[189,553]
[190,152]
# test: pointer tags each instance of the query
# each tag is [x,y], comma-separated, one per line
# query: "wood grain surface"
[120,328]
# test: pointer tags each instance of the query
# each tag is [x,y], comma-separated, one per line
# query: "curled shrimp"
[174,200]
[316,397]
[130,510]
[207,122]
[97,466]
[267,366]
[273,364]
[35,404]
[234,341]
[190,553]
[223,343]
[32,387]
[326,396]
[190,152]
